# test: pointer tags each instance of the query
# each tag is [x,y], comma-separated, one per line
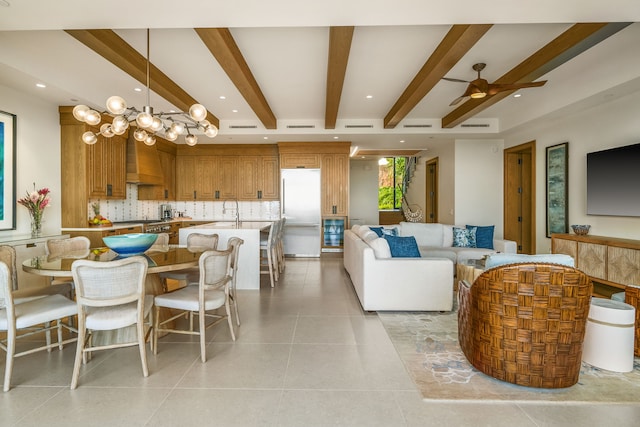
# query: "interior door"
[519,196]
[431,186]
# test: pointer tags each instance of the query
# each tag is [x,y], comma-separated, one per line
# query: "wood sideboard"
[612,263]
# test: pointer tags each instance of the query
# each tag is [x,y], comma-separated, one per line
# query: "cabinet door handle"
[334,209]
[259,194]
[194,195]
[217,196]
[166,193]
[109,190]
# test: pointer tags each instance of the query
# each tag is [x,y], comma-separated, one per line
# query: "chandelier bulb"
[116,105]
[140,134]
[120,124]
[197,112]
[79,111]
[191,140]
[92,117]
[156,124]
[211,131]
[171,135]
[177,127]
[89,138]
[150,140]
[144,120]
[106,130]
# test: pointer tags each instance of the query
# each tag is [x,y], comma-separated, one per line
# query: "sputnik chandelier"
[148,123]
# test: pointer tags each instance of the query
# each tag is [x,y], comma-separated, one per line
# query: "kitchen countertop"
[246,225]
[231,225]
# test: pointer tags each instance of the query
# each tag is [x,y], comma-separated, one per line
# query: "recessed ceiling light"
[223,97]
[234,111]
[265,137]
[336,137]
[137,89]
[369,96]
[402,141]
[41,85]
[517,95]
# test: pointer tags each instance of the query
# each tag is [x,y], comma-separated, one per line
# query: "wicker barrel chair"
[525,323]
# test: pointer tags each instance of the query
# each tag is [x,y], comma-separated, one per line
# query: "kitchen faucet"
[237,211]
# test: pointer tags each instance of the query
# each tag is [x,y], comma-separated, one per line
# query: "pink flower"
[36,201]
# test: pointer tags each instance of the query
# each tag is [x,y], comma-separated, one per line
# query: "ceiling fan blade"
[495,88]
[454,80]
[457,100]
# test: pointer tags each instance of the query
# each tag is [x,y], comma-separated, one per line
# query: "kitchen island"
[249,255]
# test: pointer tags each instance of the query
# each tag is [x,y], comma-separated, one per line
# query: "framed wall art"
[7,171]
[557,188]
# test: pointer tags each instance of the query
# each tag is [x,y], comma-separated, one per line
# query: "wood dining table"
[160,259]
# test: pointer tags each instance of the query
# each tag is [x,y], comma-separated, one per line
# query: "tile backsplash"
[134,209]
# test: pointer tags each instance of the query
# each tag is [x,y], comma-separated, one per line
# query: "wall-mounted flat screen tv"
[613,181]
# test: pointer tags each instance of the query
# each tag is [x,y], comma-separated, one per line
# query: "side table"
[468,270]
[632,297]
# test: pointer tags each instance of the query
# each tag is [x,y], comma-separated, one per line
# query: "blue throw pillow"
[377,230]
[380,231]
[402,247]
[484,236]
[464,237]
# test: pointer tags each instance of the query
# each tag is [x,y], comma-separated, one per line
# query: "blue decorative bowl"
[130,244]
[581,229]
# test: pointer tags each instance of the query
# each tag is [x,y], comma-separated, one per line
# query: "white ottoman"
[608,338]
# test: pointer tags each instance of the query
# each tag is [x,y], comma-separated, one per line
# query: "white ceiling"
[285,43]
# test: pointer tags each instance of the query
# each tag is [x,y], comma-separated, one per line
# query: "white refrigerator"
[300,193]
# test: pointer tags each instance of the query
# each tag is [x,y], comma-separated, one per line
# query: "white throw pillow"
[355,228]
[380,248]
[369,236]
[425,234]
[363,230]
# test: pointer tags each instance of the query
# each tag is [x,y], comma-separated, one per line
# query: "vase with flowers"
[36,201]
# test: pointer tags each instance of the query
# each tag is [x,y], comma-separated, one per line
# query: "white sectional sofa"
[425,283]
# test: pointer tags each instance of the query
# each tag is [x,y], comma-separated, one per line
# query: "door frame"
[436,164]
[527,147]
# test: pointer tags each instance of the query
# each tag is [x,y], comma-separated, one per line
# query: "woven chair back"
[525,323]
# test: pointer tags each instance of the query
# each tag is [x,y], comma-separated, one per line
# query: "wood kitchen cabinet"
[206,177]
[88,171]
[335,184]
[95,236]
[258,178]
[166,191]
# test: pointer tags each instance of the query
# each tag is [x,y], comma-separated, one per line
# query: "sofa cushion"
[403,247]
[362,231]
[368,236]
[380,248]
[464,237]
[496,260]
[355,228]
[425,234]
[447,235]
[484,235]
[439,252]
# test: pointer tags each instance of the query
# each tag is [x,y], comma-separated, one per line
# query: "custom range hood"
[143,163]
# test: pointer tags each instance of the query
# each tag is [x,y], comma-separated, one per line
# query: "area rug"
[428,345]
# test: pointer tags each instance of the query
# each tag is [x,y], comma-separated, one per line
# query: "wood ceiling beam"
[339,47]
[451,49]
[563,48]
[224,48]
[114,49]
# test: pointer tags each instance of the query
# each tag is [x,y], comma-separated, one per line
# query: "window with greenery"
[390,176]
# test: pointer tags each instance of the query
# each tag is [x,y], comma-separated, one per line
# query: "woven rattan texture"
[525,323]
[632,297]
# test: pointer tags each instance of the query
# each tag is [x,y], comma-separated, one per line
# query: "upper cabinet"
[227,172]
[335,184]
[88,171]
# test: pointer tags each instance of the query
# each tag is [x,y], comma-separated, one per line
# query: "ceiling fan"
[479,88]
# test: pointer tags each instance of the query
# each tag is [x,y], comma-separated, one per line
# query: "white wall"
[606,125]
[363,192]
[479,183]
[37,156]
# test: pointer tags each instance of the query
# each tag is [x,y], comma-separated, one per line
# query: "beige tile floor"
[306,355]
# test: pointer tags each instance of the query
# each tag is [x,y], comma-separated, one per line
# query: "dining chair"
[211,294]
[161,244]
[280,245]
[234,244]
[197,242]
[268,255]
[33,316]
[77,246]
[111,295]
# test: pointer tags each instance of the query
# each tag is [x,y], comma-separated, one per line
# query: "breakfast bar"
[249,255]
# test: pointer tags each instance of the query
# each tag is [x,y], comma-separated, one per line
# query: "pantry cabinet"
[335,184]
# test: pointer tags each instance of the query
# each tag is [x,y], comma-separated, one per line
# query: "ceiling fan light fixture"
[478,95]
[148,123]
